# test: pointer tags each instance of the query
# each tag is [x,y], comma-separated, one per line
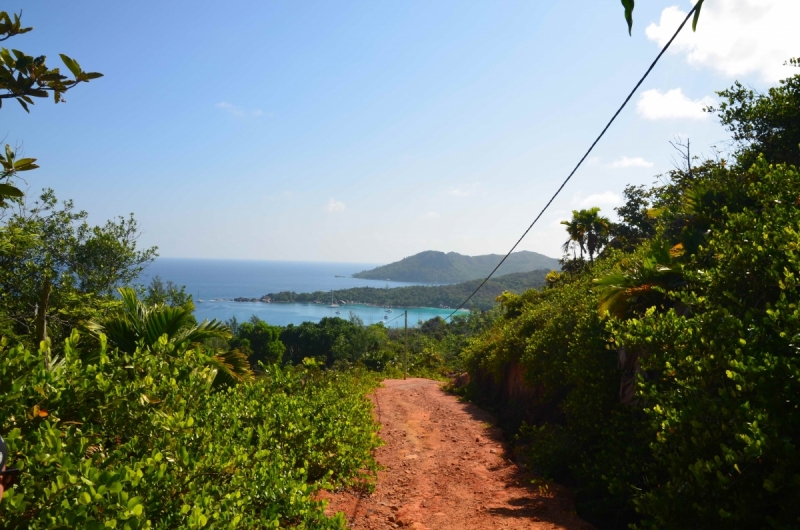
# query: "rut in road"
[445,467]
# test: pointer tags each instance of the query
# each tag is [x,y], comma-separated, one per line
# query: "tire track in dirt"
[445,467]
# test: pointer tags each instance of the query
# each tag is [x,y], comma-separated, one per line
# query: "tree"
[55,267]
[24,77]
[259,341]
[139,325]
[167,293]
[636,224]
[588,230]
[767,124]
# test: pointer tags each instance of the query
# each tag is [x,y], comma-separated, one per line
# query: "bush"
[112,440]
[723,411]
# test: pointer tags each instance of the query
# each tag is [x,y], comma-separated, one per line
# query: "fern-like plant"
[139,324]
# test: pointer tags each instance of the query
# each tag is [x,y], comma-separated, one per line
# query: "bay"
[218,281]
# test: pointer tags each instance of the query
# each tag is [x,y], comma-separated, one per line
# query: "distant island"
[438,267]
[447,296]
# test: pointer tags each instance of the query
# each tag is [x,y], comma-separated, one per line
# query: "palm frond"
[232,368]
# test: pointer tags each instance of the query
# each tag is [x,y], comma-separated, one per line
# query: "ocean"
[217,281]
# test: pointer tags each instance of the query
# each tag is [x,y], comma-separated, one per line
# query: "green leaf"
[7,190]
[628,5]
[93,75]
[72,64]
[696,14]
[23,162]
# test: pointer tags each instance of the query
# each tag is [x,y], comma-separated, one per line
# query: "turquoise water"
[217,282]
[283,314]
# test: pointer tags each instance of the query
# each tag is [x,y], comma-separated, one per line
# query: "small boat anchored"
[333,305]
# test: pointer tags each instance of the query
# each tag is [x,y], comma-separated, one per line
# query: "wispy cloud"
[673,104]
[625,162]
[736,37]
[239,112]
[335,206]
[465,190]
[431,215]
[607,198]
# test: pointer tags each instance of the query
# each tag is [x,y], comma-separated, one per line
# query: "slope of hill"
[437,267]
[425,295]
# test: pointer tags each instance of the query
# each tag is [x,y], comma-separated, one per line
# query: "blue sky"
[370,131]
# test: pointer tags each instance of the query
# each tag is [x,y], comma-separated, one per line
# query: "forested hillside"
[438,267]
[426,295]
[659,373]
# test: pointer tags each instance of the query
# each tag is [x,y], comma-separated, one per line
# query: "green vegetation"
[661,380]
[110,439]
[588,231]
[425,295]
[120,409]
[438,267]
[659,377]
[434,347]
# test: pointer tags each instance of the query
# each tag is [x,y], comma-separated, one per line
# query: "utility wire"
[602,133]
[392,320]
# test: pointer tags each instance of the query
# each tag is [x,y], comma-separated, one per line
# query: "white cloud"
[237,111]
[607,198]
[736,37]
[464,191]
[431,215]
[334,206]
[625,162]
[673,104]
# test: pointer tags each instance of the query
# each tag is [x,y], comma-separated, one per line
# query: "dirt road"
[446,467]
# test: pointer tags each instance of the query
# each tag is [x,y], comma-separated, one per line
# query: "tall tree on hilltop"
[588,230]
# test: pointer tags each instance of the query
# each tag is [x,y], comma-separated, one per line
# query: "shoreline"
[242,300]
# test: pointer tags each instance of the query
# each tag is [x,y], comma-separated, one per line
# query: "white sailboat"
[333,305]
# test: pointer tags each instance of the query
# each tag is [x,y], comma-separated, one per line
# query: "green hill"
[437,267]
[424,295]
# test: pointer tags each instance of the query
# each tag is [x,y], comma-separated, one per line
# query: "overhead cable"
[580,162]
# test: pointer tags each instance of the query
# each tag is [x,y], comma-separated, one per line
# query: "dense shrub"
[723,411]
[662,381]
[114,440]
[569,406]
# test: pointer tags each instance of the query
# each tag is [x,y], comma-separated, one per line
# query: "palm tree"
[588,230]
[596,228]
[138,324]
[577,236]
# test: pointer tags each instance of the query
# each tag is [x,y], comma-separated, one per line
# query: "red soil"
[445,467]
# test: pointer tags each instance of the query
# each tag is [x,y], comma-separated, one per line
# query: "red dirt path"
[446,468]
